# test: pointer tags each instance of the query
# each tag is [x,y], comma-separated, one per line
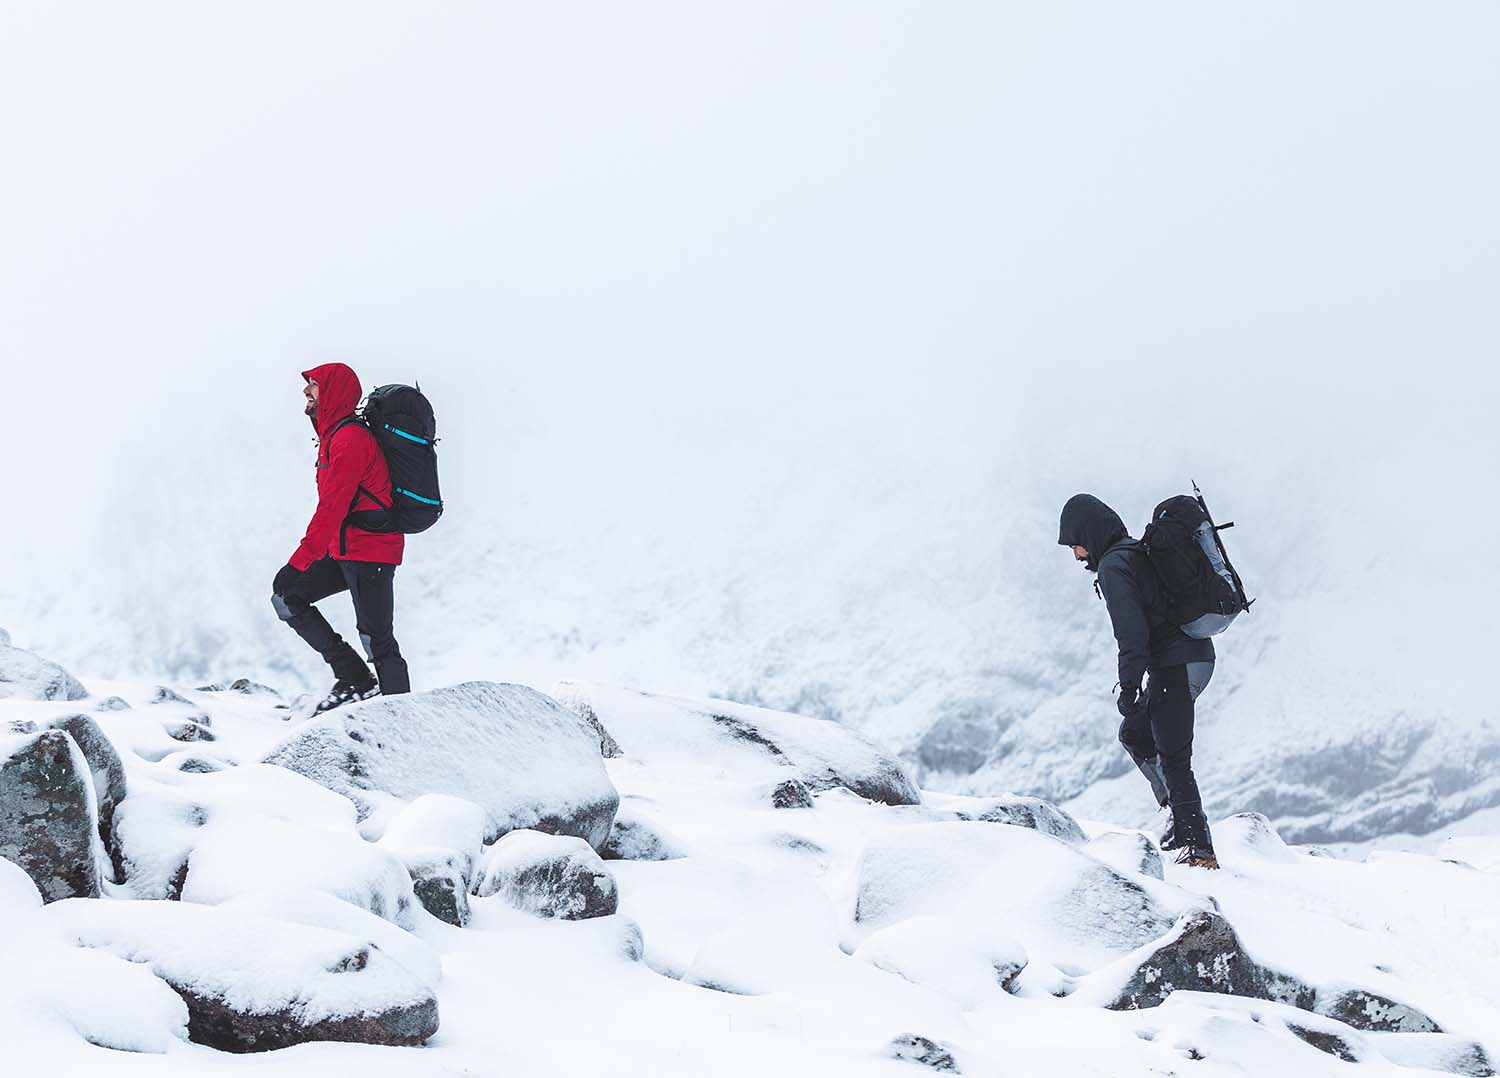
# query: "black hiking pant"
[1159,738]
[372,587]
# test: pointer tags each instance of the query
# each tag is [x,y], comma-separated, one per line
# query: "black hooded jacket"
[1129,586]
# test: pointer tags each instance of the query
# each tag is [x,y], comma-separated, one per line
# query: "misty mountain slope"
[941,617]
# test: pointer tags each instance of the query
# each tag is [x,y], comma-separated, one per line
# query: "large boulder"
[519,755]
[104,765]
[24,676]
[49,824]
[1067,907]
[252,984]
[752,744]
[548,875]
[1016,810]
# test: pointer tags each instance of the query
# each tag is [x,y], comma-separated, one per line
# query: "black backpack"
[402,422]
[1200,591]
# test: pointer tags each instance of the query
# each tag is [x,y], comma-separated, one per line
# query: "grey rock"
[48,820]
[189,730]
[104,764]
[793,793]
[1030,812]
[548,875]
[25,676]
[1324,1041]
[576,700]
[112,703]
[1373,1012]
[936,1055]
[519,755]
[244,686]
[632,838]
[163,695]
[1436,1052]
[441,886]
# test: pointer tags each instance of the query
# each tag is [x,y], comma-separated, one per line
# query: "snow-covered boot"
[344,692]
[1192,837]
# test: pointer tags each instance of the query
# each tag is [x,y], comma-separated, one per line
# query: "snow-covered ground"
[840,934]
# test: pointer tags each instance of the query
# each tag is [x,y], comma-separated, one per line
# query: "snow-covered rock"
[964,961]
[548,875]
[1128,851]
[254,984]
[524,759]
[754,743]
[439,839]
[638,835]
[48,820]
[241,854]
[1064,906]
[25,676]
[1013,809]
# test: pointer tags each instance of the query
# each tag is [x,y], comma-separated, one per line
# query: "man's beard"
[311,409]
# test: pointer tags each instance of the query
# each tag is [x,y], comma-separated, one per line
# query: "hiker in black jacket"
[1157,711]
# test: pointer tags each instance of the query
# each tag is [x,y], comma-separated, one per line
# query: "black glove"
[1129,701]
[286,576]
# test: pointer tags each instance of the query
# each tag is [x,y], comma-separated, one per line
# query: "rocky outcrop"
[25,676]
[1203,953]
[924,1051]
[1019,811]
[48,819]
[548,875]
[525,760]
[637,836]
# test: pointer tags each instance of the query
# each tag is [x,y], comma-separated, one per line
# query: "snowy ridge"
[776,921]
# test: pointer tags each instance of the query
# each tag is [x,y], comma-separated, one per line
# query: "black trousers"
[371,586]
[1159,738]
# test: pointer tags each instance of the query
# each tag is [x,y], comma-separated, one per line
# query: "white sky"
[701,270]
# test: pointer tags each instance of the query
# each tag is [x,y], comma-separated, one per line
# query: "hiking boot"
[1198,857]
[1166,836]
[344,692]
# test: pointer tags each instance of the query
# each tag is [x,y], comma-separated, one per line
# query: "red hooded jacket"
[347,461]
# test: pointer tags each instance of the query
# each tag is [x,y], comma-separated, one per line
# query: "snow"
[829,939]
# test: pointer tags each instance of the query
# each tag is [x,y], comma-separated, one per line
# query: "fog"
[766,340]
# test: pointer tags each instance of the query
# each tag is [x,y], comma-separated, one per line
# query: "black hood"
[1089,523]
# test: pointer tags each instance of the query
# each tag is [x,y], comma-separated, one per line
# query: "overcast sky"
[702,270]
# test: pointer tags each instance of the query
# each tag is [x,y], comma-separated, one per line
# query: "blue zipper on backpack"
[408,437]
[418,497]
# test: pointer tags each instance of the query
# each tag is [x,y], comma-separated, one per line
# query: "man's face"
[310,391]
[1080,554]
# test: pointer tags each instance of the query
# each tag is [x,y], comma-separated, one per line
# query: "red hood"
[339,392]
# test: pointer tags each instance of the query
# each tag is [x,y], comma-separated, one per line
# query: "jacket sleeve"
[1127,614]
[346,464]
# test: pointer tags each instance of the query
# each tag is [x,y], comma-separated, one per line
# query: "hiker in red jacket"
[336,556]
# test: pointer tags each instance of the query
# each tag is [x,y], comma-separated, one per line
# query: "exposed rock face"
[163,695]
[1203,954]
[442,887]
[48,820]
[104,765]
[439,839]
[25,676]
[253,984]
[520,756]
[549,876]
[1367,1010]
[753,744]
